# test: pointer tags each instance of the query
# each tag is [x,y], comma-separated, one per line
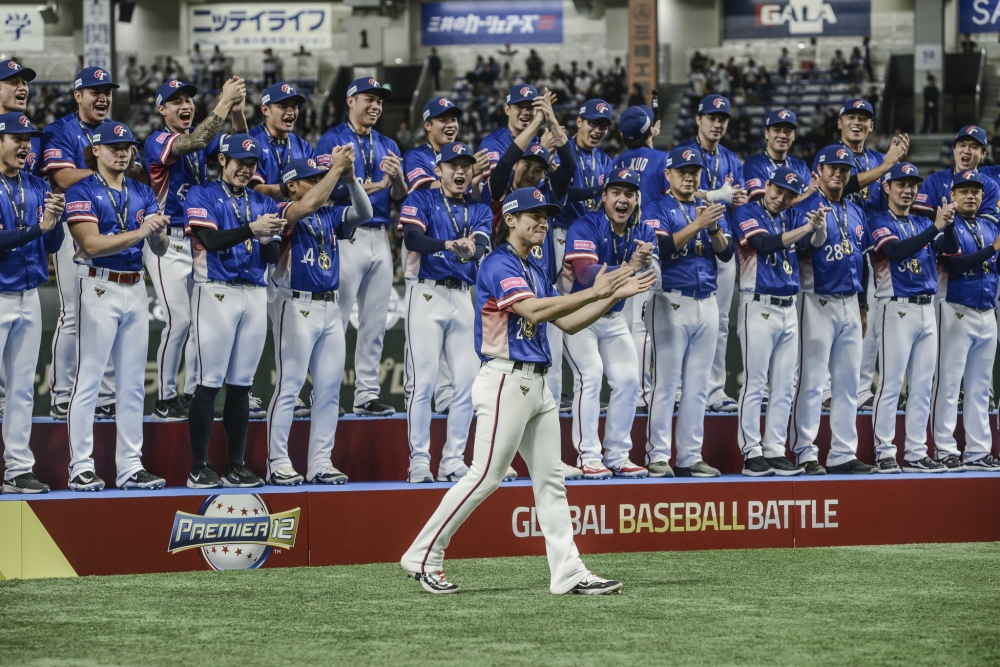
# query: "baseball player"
[519,108]
[856,121]
[111,217]
[779,133]
[366,259]
[232,228]
[64,144]
[30,230]
[969,150]
[175,161]
[693,238]
[611,236]
[721,181]
[966,320]
[768,232]
[305,318]
[14,81]
[446,234]
[279,144]
[441,123]
[515,411]
[905,284]
[831,325]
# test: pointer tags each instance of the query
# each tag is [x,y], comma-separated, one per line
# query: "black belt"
[691,293]
[782,301]
[318,296]
[450,283]
[539,369]
[922,299]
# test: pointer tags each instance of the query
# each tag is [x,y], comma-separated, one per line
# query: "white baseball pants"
[308,338]
[173,284]
[684,332]
[830,340]
[643,342]
[20,338]
[113,324]
[515,414]
[724,298]
[769,338]
[438,320]
[366,276]
[230,325]
[907,346]
[967,346]
[603,348]
[869,347]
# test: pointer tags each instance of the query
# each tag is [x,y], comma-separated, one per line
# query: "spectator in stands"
[932,97]
[434,68]
[617,69]
[751,76]
[506,79]
[172,69]
[637,98]
[785,64]
[697,82]
[968,44]
[809,55]
[154,79]
[735,73]
[697,60]
[197,62]
[867,51]
[330,116]
[838,66]
[307,118]
[405,137]
[217,67]
[134,74]
[270,68]
[492,71]
[534,66]
[857,64]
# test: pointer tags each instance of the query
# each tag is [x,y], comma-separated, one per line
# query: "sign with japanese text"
[451,23]
[285,25]
[642,44]
[21,28]
[767,19]
[97,34]
[978,16]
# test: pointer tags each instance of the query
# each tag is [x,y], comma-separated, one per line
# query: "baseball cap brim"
[188,89]
[532,156]
[98,84]
[24,133]
[785,186]
[464,157]
[593,115]
[296,97]
[378,92]
[26,73]
[863,112]
[551,209]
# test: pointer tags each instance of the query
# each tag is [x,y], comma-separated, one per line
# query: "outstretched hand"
[636,285]
[607,283]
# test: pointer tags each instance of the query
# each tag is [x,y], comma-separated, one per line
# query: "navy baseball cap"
[521,93]
[439,106]
[967,176]
[367,85]
[857,106]
[714,104]
[596,110]
[300,168]
[9,68]
[902,170]
[624,177]
[782,117]
[835,154]
[113,132]
[239,146]
[527,199]
[281,92]
[973,132]
[174,87]
[536,152]
[455,150]
[684,156]
[633,123]
[788,179]
[93,77]
[15,122]
[648,110]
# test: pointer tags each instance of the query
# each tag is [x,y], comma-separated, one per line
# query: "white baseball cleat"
[434,582]
[595,470]
[594,585]
[570,472]
[458,473]
[284,476]
[419,475]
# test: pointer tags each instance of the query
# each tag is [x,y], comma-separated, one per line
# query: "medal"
[915,266]
[846,245]
[536,252]
[787,266]
[699,248]
[986,266]
[324,261]
[318,233]
[368,179]
[528,330]
[121,213]
[249,245]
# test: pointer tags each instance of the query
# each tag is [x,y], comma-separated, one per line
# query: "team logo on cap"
[311,162]
[858,104]
[248,144]
[459,149]
[784,113]
[285,88]
[24,121]
[174,83]
[445,102]
[373,82]
[99,74]
[525,91]
[967,174]
[601,107]
[120,130]
[908,168]
[791,178]
[537,149]
[688,155]
[624,173]
[13,65]
[842,153]
[718,102]
[538,195]
[971,129]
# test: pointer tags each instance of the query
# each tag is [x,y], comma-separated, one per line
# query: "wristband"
[716,233]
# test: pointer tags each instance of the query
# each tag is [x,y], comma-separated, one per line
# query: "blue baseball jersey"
[871,198]
[687,269]
[428,210]
[830,270]
[591,237]
[33,163]
[651,165]
[309,261]
[976,288]
[171,177]
[718,166]
[88,201]
[210,206]
[418,167]
[496,143]
[504,279]
[766,274]
[761,167]
[906,278]
[938,185]
[592,169]
[63,143]
[26,266]
[369,152]
[275,154]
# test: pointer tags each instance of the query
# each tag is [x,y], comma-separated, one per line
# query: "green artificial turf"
[894,605]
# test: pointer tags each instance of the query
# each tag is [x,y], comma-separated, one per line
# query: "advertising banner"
[97,34]
[452,23]
[21,28]
[242,27]
[978,16]
[768,19]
